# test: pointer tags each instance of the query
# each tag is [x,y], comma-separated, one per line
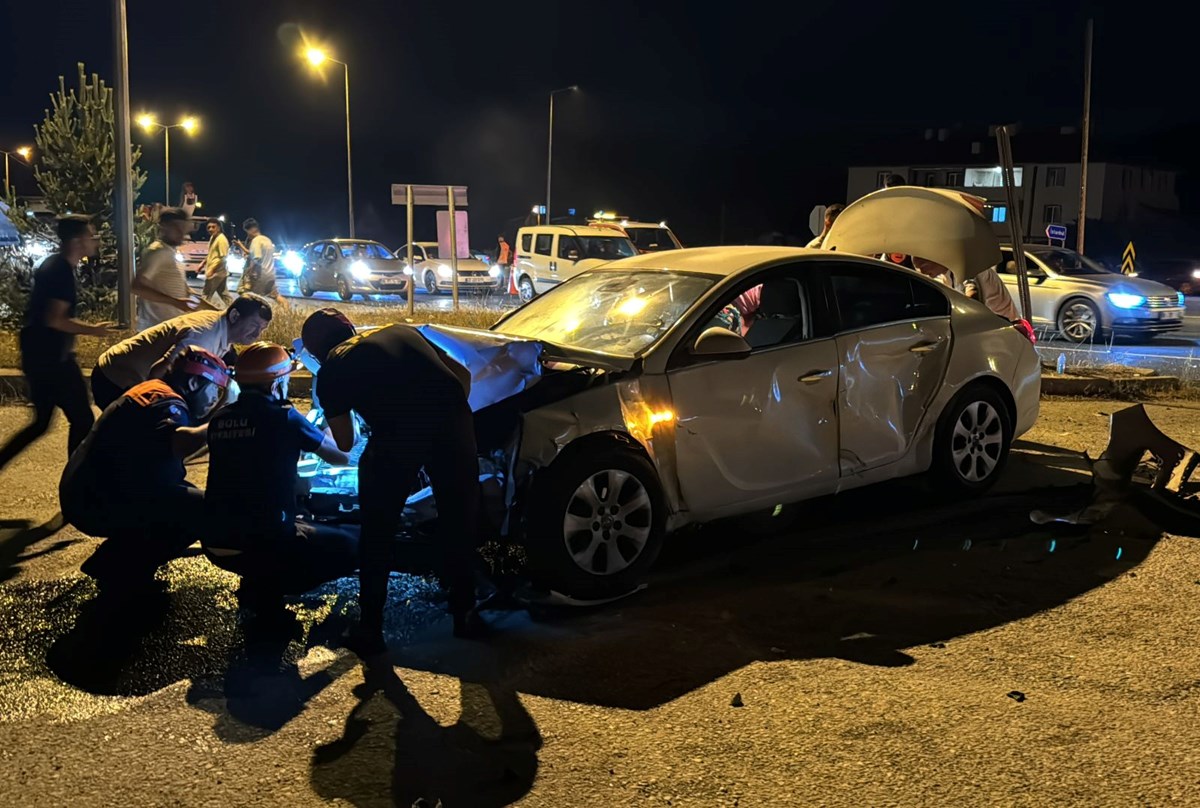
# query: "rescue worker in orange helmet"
[127,483]
[251,524]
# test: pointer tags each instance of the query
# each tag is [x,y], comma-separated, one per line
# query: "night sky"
[756,110]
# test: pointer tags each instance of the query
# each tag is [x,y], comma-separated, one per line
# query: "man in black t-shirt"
[250,506]
[413,398]
[48,341]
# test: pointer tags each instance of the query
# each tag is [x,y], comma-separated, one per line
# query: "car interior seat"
[780,315]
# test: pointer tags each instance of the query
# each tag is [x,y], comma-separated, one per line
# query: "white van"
[550,254]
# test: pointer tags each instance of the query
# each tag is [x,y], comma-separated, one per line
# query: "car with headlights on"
[434,274]
[348,267]
[1085,301]
[621,405]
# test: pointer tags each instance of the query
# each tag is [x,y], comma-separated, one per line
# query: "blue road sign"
[1056,232]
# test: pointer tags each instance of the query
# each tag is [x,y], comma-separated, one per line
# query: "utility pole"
[123,196]
[1087,126]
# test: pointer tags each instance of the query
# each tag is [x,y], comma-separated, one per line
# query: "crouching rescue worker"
[413,398]
[251,527]
[126,482]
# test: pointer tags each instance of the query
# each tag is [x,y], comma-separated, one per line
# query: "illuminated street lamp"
[550,144]
[23,153]
[188,124]
[317,57]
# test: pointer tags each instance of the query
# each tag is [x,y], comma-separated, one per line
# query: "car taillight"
[1025,328]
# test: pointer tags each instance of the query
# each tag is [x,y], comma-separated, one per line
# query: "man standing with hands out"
[48,340]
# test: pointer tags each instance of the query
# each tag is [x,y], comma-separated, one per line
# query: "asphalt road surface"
[886,648]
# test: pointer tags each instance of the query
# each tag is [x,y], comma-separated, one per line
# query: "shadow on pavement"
[393,753]
[17,535]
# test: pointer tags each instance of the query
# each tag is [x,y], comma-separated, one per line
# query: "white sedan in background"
[622,405]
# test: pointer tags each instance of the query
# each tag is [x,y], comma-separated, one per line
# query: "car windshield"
[1068,262]
[607,248]
[366,249]
[651,238]
[620,313]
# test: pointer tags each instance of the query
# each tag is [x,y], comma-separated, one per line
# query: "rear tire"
[305,285]
[597,523]
[972,443]
[1079,321]
[431,283]
[344,291]
[525,289]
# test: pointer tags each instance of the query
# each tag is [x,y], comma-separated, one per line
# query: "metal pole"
[453,246]
[123,196]
[1004,143]
[412,280]
[549,157]
[1087,126]
[6,185]
[349,173]
[167,171]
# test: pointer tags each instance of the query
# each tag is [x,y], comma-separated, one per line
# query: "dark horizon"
[680,116]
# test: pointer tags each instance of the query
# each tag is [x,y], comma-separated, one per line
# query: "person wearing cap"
[127,484]
[147,354]
[161,280]
[258,276]
[413,398]
[251,525]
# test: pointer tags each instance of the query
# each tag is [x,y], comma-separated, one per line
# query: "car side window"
[331,252]
[867,296]
[1006,266]
[544,243]
[526,242]
[566,244]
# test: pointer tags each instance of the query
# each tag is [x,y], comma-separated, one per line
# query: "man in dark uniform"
[48,341]
[413,398]
[126,482]
[251,526]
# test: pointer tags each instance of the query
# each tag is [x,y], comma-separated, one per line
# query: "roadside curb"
[12,385]
[1100,386]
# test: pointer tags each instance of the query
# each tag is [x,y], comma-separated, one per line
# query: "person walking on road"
[147,354]
[161,280]
[251,525]
[216,270]
[48,341]
[413,397]
[259,273]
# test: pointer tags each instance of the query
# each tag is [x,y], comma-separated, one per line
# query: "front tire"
[973,439]
[1079,321]
[525,289]
[597,523]
[344,291]
[431,283]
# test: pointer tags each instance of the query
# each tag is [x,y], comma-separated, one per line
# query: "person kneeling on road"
[127,484]
[251,527]
[413,398]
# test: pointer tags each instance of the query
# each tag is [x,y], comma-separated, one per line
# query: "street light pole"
[123,193]
[1087,126]
[22,153]
[167,166]
[148,123]
[550,144]
[349,172]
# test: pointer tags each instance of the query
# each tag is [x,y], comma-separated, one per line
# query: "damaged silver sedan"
[637,398]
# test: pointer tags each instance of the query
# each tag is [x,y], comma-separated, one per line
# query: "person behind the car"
[48,341]
[126,482]
[893,180]
[934,270]
[831,214]
[413,398]
[251,527]
[988,289]
[161,280]
[149,354]
[503,251]
[216,270]
[258,275]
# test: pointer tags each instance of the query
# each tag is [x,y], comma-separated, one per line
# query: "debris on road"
[1016,695]
[737,701]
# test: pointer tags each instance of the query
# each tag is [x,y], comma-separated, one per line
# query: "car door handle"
[554,266]
[814,376]
[925,347]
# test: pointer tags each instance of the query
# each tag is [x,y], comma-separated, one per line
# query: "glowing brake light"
[1025,328]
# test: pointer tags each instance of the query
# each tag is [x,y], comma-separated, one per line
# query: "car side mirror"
[720,343]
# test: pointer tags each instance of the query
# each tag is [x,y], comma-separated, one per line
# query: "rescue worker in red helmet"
[414,399]
[126,482]
[251,525]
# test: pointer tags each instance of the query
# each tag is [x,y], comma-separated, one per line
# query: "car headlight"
[1179,297]
[293,263]
[407,270]
[360,270]
[235,263]
[1196,273]
[494,272]
[1125,300]
[443,271]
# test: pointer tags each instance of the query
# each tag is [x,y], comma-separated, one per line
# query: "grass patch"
[285,327]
